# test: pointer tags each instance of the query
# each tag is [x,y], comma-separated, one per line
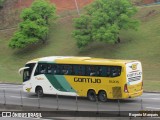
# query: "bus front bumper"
[27,88]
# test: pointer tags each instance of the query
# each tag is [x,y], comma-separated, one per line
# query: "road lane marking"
[153,108]
[11,89]
[149,94]
[9,85]
[22,97]
[150,98]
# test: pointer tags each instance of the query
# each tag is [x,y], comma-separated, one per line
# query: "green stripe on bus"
[64,83]
[59,83]
[55,82]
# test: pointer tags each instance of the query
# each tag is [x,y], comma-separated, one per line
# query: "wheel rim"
[102,96]
[40,92]
[91,96]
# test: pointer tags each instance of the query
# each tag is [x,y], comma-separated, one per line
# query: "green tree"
[1,3]
[34,27]
[39,9]
[103,21]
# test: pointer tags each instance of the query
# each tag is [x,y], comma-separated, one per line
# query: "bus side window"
[82,70]
[99,71]
[42,68]
[65,69]
[49,69]
[119,69]
[71,70]
[54,69]
[57,69]
[91,70]
[108,71]
[79,70]
[36,71]
[115,71]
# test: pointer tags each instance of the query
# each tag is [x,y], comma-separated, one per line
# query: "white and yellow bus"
[83,76]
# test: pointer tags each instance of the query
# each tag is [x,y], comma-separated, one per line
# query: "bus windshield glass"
[27,72]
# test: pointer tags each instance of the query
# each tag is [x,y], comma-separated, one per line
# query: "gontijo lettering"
[87,80]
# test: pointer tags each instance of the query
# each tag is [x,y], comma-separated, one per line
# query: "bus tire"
[91,95]
[39,91]
[102,96]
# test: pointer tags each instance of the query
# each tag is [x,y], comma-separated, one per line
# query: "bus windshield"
[27,72]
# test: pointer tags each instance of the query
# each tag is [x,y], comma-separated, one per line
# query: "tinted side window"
[56,69]
[78,70]
[65,69]
[60,69]
[41,69]
[103,71]
[115,71]
[91,70]
[50,69]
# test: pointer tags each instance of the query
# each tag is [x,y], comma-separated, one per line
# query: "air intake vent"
[117,93]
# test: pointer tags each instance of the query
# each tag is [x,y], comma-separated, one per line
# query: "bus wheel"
[102,96]
[91,95]
[39,91]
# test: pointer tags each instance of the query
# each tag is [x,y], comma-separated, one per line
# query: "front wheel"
[102,96]
[39,91]
[91,95]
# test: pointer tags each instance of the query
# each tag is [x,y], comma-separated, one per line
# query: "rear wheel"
[39,91]
[91,95]
[102,96]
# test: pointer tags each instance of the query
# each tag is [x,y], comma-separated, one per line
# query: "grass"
[142,45]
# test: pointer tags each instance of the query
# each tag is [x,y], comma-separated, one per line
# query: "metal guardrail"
[97,109]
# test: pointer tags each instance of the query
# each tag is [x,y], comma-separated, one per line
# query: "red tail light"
[125,88]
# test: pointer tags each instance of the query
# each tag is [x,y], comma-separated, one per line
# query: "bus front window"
[28,72]
[26,75]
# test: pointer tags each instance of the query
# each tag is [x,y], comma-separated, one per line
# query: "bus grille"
[116,92]
[134,78]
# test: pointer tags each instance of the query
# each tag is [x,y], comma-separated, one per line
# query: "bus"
[94,78]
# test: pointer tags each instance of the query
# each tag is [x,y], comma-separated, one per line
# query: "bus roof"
[80,60]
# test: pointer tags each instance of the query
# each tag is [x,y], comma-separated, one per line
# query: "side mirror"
[20,71]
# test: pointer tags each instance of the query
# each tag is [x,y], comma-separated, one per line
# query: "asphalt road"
[148,101]
[10,94]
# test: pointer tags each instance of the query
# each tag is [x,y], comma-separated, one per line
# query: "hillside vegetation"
[142,45]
